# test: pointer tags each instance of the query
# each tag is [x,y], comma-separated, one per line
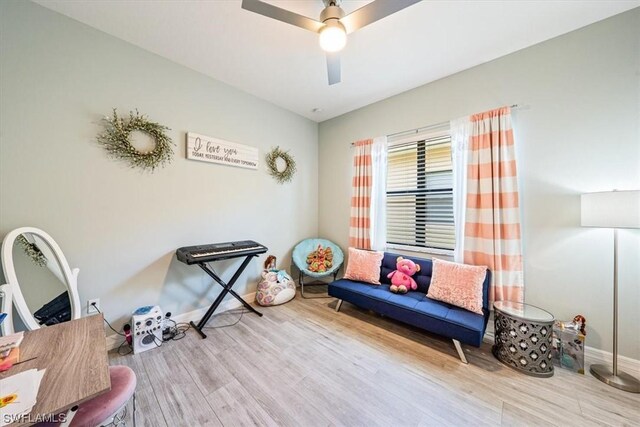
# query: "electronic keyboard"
[219,251]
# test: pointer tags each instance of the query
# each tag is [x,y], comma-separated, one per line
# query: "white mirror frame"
[11,293]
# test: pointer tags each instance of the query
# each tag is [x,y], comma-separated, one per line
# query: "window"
[420,192]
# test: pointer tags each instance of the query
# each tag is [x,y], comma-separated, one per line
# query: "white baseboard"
[593,355]
[113,341]
[626,364]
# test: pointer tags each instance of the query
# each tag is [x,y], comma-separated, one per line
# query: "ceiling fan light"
[333,37]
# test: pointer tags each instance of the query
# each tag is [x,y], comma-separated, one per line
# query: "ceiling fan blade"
[373,12]
[333,68]
[283,15]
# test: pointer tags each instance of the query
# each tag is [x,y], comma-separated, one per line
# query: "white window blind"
[420,192]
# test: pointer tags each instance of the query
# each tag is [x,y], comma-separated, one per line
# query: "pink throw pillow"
[364,266]
[458,284]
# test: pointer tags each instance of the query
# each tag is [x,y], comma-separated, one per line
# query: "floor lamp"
[613,209]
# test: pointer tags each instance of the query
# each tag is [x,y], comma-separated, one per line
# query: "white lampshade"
[611,209]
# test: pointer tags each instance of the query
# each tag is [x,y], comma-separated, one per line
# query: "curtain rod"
[437,125]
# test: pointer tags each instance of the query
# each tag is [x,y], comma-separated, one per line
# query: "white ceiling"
[284,64]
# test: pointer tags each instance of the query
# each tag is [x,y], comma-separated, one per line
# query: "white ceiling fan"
[333,25]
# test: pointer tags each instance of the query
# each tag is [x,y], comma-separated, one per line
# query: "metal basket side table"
[523,338]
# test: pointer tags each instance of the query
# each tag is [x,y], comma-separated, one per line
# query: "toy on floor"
[568,342]
[320,260]
[401,280]
[579,323]
[276,286]
[270,263]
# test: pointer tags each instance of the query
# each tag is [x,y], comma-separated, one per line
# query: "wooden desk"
[74,355]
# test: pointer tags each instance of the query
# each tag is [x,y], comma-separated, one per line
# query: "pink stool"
[108,408]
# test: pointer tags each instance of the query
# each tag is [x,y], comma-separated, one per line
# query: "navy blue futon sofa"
[414,307]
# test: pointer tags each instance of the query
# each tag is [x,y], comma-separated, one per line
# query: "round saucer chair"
[300,253]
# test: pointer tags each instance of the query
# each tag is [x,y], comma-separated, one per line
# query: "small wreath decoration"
[32,251]
[115,139]
[290,165]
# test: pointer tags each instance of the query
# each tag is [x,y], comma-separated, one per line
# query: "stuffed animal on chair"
[320,260]
[401,280]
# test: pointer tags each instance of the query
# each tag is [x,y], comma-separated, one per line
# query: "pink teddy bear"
[401,280]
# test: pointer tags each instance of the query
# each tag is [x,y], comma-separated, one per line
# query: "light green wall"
[120,226]
[578,133]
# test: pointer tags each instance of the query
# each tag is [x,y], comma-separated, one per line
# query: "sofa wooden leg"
[338,305]
[461,355]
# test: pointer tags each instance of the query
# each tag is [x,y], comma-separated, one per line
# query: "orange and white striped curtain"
[360,223]
[490,202]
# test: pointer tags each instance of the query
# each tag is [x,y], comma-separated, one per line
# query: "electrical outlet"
[90,305]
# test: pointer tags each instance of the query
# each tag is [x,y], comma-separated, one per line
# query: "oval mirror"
[39,283]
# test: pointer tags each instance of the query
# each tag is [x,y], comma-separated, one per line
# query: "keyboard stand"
[226,290]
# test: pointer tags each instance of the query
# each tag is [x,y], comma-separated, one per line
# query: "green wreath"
[286,174]
[115,139]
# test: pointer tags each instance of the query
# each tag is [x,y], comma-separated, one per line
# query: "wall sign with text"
[214,150]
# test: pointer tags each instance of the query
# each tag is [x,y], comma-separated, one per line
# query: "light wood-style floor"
[303,364]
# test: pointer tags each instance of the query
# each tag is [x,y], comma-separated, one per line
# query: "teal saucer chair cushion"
[307,246]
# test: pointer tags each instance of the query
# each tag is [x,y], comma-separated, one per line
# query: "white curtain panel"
[460,131]
[378,213]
